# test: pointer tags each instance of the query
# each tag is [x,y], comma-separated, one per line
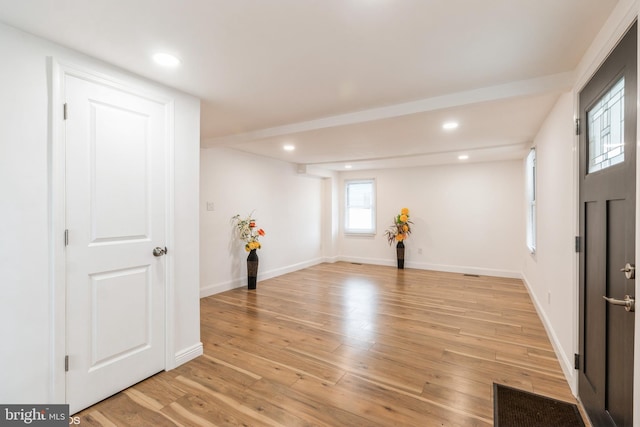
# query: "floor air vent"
[471,275]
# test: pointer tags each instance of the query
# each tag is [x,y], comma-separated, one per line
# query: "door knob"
[159,251]
[628,302]
[629,271]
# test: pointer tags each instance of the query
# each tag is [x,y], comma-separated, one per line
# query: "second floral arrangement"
[401,227]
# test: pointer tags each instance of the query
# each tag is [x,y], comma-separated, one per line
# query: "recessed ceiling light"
[450,125]
[463,157]
[347,166]
[288,147]
[166,60]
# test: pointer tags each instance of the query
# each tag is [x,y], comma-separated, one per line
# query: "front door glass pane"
[605,123]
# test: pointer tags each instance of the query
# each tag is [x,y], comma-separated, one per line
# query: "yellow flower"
[400,228]
[252,245]
[248,232]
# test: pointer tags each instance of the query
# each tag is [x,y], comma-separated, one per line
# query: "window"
[531,200]
[605,123]
[360,207]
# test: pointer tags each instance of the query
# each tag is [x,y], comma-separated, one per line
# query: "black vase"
[252,269]
[400,253]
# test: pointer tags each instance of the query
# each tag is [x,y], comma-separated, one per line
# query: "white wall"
[28,362]
[331,218]
[467,218]
[186,253]
[24,251]
[288,206]
[549,274]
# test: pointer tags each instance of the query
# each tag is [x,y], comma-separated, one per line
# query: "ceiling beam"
[551,83]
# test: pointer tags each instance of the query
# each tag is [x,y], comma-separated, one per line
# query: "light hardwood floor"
[351,345]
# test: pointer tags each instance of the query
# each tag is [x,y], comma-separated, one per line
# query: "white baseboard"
[360,260]
[331,259]
[438,267]
[288,269]
[221,287]
[190,353]
[238,283]
[566,362]
[462,269]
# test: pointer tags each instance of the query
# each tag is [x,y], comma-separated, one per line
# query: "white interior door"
[116,145]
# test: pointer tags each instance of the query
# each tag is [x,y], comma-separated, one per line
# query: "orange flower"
[247,232]
[401,227]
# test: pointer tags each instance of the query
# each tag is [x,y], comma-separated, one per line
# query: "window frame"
[531,197]
[372,205]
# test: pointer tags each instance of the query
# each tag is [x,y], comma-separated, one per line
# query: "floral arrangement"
[247,232]
[401,227]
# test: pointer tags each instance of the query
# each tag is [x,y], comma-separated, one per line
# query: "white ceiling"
[365,82]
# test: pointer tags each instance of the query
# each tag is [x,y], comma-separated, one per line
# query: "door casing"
[57,272]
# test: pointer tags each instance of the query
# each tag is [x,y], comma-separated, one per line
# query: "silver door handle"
[628,302]
[629,271]
[159,251]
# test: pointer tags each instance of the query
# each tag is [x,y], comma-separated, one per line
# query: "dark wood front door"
[607,229]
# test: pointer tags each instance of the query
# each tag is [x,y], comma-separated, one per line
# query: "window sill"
[358,234]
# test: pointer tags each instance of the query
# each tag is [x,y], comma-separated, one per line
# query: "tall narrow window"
[360,207]
[531,200]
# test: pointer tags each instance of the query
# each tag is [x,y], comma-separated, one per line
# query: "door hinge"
[576,361]
[66,363]
[577,126]
[64,111]
[66,237]
[577,244]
